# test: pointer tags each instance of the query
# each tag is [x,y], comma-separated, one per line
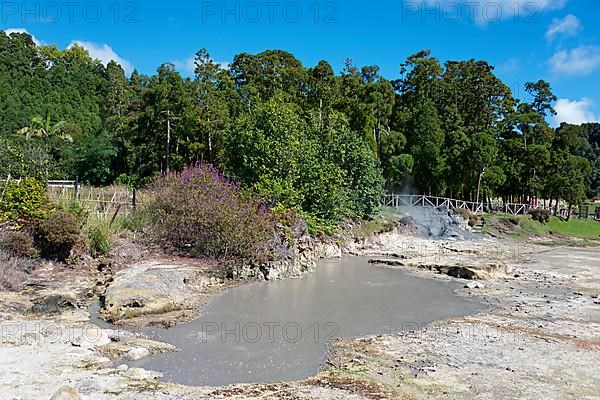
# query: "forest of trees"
[322,142]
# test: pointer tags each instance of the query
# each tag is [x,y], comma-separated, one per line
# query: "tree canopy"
[302,137]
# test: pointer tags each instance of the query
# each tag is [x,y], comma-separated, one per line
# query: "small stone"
[90,338]
[137,353]
[139,373]
[104,362]
[474,285]
[65,393]
[55,303]
[122,367]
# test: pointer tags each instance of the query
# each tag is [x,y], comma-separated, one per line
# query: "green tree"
[118,118]
[456,149]
[396,163]
[265,75]
[212,113]
[426,141]
[46,130]
[591,151]
[162,124]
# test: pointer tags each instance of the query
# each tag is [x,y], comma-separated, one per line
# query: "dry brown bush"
[12,271]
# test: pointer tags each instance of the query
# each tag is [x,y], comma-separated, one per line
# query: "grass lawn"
[585,229]
[523,227]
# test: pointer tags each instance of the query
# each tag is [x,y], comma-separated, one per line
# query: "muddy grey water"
[278,331]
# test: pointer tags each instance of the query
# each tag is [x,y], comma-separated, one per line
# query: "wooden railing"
[401,200]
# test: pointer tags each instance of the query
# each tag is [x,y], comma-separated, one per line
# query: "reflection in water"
[277,331]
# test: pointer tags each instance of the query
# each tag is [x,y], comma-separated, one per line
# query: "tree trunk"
[320,113]
[210,143]
[168,151]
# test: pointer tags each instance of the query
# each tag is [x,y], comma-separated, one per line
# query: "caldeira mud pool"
[278,331]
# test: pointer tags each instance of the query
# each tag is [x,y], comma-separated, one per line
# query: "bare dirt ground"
[538,339]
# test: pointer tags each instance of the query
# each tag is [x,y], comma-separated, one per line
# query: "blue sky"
[556,40]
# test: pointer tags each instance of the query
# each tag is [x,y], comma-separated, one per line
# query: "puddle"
[277,331]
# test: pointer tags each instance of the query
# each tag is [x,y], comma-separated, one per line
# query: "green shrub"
[24,200]
[319,226]
[128,223]
[99,237]
[378,225]
[19,244]
[79,210]
[99,232]
[57,235]
[406,220]
[285,216]
[541,216]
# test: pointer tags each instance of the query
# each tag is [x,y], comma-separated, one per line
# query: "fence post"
[76,188]
[134,199]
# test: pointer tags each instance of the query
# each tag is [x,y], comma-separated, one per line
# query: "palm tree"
[44,129]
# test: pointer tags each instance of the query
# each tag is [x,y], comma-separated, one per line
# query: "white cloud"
[582,60]
[22,30]
[104,53]
[567,26]
[224,64]
[483,12]
[574,112]
[188,65]
[510,66]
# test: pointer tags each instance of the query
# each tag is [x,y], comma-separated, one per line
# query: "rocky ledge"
[158,293]
[473,271]
[295,253]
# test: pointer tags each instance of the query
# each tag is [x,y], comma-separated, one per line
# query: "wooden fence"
[100,202]
[400,200]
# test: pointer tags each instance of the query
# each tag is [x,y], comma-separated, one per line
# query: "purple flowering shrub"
[204,213]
